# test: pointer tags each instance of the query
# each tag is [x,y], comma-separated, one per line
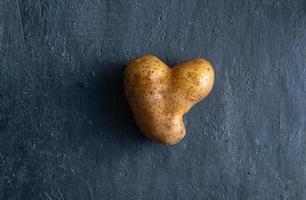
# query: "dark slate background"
[66,131]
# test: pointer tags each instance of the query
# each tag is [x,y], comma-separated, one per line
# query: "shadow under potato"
[113,107]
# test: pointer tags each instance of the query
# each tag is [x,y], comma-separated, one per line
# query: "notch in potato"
[159,96]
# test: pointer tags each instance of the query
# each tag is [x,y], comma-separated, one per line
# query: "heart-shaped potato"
[159,96]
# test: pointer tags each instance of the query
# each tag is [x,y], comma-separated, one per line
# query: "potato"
[159,96]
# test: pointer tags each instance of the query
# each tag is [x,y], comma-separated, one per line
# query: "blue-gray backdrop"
[66,131]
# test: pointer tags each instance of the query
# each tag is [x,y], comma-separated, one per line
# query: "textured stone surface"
[66,131]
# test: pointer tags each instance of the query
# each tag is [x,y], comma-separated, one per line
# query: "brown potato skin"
[159,96]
